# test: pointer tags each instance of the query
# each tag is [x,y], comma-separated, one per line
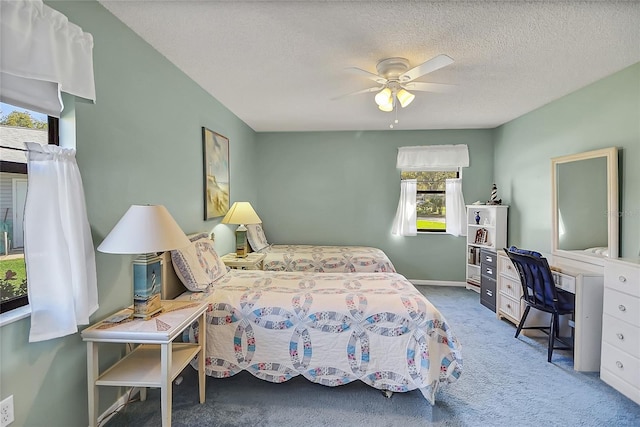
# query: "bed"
[331,328]
[318,258]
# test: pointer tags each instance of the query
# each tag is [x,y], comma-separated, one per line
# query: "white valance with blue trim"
[433,157]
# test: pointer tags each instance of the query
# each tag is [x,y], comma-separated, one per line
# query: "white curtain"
[456,215]
[404,223]
[43,54]
[433,157]
[58,248]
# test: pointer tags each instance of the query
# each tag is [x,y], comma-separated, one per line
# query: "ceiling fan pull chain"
[396,120]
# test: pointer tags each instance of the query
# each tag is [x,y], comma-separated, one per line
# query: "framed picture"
[216,174]
[481,236]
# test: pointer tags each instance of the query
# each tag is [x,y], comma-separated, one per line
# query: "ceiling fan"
[395,79]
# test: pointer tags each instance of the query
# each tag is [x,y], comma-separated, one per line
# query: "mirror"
[585,205]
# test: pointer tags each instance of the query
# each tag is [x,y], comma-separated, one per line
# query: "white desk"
[156,362]
[588,289]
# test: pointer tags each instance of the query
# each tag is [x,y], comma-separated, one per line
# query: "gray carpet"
[505,382]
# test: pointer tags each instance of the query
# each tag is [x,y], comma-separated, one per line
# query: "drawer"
[510,287]
[506,268]
[621,335]
[621,364]
[488,293]
[622,306]
[564,282]
[510,307]
[488,257]
[488,271]
[622,277]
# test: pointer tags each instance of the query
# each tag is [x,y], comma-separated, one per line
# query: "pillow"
[198,265]
[525,252]
[256,237]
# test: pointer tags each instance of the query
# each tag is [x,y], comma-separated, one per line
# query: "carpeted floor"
[505,382]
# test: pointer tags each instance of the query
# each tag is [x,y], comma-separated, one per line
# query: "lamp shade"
[384,97]
[405,97]
[241,213]
[144,229]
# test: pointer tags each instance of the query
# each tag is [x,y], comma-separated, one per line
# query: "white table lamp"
[241,213]
[145,230]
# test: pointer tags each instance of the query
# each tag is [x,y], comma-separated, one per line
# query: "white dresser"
[620,366]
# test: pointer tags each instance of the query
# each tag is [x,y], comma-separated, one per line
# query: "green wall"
[139,144]
[603,114]
[343,188]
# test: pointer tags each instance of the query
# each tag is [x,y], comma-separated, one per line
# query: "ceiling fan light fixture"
[405,97]
[384,97]
[387,108]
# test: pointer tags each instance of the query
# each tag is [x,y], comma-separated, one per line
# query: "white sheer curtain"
[404,223]
[431,158]
[456,215]
[58,248]
[43,54]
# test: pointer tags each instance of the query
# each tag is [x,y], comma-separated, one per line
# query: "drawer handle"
[489,293]
[619,364]
[489,271]
[508,267]
[508,286]
[508,305]
[622,308]
[620,336]
[622,279]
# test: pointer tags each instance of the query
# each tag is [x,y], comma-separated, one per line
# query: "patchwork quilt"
[330,328]
[326,259]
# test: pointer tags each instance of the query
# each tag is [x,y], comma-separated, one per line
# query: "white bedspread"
[330,328]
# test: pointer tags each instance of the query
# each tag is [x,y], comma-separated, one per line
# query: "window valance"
[43,54]
[433,157]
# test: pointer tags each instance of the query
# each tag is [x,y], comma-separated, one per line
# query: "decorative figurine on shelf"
[493,200]
[477,217]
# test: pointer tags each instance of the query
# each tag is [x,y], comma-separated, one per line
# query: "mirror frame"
[611,155]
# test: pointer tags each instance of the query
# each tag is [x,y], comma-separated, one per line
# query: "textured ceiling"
[279,65]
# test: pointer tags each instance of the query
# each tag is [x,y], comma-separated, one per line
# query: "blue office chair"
[539,291]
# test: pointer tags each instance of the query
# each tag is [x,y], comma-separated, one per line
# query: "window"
[431,198]
[17,125]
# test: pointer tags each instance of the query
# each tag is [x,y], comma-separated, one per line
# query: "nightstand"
[253,261]
[156,360]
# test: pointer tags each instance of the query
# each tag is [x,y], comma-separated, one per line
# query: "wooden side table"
[156,361]
[253,261]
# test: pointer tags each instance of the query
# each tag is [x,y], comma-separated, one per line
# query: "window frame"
[53,126]
[458,172]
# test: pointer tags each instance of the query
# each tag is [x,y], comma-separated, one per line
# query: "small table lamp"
[145,230]
[241,213]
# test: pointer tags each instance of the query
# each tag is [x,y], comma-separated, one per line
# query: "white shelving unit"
[490,232]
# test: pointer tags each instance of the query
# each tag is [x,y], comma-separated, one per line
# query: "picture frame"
[481,236]
[216,173]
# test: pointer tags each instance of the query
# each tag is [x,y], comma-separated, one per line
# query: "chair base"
[552,331]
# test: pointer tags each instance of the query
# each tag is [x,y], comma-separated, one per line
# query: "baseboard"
[437,283]
[116,406]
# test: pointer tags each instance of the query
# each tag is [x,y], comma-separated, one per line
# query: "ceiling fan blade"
[429,87]
[371,89]
[364,73]
[427,67]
